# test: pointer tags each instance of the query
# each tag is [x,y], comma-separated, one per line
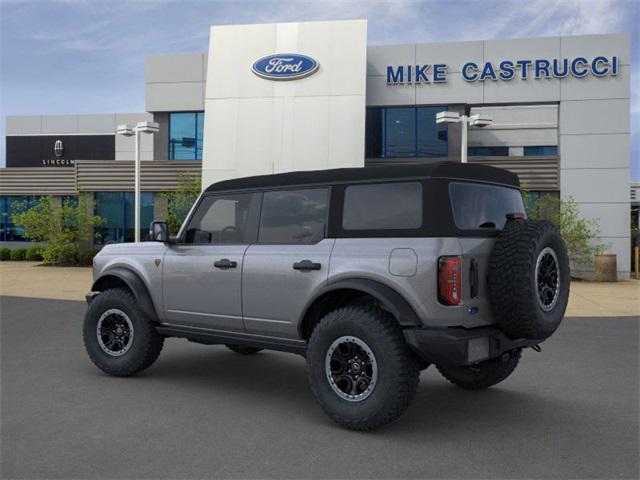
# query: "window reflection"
[185,135]
[405,132]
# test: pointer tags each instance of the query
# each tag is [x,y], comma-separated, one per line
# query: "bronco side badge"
[157,262]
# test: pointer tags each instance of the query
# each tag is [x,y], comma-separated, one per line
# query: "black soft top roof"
[454,170]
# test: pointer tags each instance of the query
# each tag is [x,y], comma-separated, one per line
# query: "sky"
[87,56]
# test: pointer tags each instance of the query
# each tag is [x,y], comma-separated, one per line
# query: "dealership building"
[270,98]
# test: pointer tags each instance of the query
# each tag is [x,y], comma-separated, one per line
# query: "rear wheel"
[361,371]
[119,338]
[242,349]
[483,375]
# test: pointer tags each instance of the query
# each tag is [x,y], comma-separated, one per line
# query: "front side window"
[294,216]
[185,135]
[476,206]
[383,206]
[220,220]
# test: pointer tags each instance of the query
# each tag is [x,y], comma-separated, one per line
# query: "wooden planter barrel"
[606,268]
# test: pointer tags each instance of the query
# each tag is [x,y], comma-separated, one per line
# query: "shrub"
[180,202]
[65,228]
[582,236]
[34,254]
[86,258]
[18,253]
[5,253]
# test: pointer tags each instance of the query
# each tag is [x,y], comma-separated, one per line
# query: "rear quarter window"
[383,206]
[476,206]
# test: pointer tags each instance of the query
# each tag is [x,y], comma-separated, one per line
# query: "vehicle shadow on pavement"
[280,380]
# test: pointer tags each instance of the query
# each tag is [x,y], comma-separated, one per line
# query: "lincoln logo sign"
[285,66]
[505,70]
[58,148]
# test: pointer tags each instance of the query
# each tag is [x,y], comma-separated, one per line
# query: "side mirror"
[159,232]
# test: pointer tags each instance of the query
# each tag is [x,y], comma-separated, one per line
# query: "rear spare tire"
[529,279]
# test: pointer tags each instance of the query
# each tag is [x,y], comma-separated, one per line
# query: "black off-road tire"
[398,373]
[145,345]
[483,375]
[242,349]
[513,291]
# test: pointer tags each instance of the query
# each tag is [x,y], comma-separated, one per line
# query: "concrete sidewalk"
[31,279]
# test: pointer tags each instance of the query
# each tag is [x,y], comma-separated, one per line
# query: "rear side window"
[383,206]
[477,206]
[294,216]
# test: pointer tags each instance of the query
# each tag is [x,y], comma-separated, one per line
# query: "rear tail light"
[449,280]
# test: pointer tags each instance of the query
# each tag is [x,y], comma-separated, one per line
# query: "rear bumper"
[461,346]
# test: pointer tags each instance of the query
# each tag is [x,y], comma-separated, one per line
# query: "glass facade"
[9,232]
[116,208]
[541,151]
[185,135]
[400,132]
[488,151]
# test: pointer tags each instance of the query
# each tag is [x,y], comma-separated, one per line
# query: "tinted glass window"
[405,132]
[220,219]
[117,211]
[432,137]
[293,216]
[488,151]
[383,206]
[400,132]
[185,135]
[373,133]
[541,151]
[483,206]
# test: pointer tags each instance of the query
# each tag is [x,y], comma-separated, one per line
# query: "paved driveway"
[571,411]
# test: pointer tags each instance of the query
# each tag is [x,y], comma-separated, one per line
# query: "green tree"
[582,236]
[180,202]
[65,227]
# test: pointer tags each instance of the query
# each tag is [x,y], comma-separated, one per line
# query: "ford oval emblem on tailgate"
[284,66]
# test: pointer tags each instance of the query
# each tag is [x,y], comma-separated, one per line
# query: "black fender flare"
[135,284]
[390,299]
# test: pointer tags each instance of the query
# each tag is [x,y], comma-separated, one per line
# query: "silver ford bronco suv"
[370,273]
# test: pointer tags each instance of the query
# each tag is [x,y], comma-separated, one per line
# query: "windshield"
[476,206]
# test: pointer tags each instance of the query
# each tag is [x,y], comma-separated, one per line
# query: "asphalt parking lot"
[201,411]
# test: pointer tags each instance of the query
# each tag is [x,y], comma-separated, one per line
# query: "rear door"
[289,262]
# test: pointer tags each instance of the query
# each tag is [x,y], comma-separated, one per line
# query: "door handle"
[225,263]
[306,265]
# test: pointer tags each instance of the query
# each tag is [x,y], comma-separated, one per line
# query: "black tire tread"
[152,341]
[386,329]
[510,268]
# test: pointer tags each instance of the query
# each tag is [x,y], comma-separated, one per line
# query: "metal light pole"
[128,131]
[477,120]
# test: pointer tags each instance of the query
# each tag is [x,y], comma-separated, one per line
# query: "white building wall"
[257,126]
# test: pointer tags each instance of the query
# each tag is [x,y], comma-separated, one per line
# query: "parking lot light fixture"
[477,120]
[128,131]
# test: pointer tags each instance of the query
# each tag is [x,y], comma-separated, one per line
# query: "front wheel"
[360,369]
[119,338]
[485,374]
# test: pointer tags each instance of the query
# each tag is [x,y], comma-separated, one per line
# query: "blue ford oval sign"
[285,66]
